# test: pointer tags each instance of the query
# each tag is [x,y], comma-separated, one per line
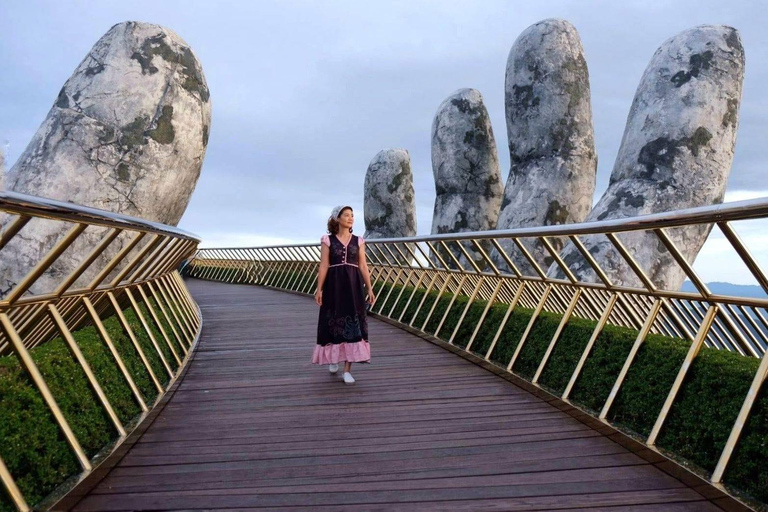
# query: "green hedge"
[701,418]
[33,447]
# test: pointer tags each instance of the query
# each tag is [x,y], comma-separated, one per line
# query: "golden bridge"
[175,377]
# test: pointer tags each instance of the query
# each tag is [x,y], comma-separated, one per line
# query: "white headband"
[337,211]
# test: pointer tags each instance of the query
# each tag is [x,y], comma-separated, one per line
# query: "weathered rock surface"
[551,139]
[465,166]
[390,207]
[2,169]
[676,152]
[127,133]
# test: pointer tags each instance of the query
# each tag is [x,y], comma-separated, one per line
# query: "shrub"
[33,447]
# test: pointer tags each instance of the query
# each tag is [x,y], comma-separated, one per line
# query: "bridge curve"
[253,425]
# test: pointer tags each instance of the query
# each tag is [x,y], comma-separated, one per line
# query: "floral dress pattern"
[342,326]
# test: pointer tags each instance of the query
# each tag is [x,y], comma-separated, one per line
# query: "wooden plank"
[244,453]
[422,500]
[391,472]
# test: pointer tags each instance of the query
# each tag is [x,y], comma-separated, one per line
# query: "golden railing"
[128,260]
[466,264]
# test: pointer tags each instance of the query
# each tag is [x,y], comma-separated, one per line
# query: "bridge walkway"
[253,425]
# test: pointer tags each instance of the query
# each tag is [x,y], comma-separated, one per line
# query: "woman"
[342,327]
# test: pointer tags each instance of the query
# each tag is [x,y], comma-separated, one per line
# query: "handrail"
[123,264]
[24,204]
[725,212]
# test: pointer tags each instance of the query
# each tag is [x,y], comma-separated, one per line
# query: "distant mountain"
[737,290]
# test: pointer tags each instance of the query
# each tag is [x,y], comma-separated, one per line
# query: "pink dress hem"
[358,352]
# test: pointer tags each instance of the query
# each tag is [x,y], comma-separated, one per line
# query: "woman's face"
[347,218]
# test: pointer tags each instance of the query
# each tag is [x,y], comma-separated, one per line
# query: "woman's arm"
[325,258]
[363,264]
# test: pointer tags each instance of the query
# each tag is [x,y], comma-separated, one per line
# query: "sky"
[304,94]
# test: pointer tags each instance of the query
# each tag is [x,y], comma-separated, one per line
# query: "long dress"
[342,327]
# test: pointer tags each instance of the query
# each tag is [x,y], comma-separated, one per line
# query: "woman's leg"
[348,379]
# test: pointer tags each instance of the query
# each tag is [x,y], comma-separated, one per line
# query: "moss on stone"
[524,98]
[696,62]
[193,81]
[192,78]
[623,198]
[62,101]
[556,214]
[123,172]
[163,131]
[700,138]
[731,115]
[151,47]
[132,134]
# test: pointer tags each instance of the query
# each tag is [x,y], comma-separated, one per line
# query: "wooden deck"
[254,426]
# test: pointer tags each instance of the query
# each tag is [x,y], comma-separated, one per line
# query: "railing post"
[692,353]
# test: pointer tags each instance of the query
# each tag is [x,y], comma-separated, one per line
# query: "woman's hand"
[371,297]
[319,297]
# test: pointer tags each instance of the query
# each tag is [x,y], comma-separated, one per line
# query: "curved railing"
[85,266]
[411,276]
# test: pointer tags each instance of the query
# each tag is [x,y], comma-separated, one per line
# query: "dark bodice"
[344,255]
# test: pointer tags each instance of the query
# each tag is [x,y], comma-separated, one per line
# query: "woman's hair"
[333,223]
